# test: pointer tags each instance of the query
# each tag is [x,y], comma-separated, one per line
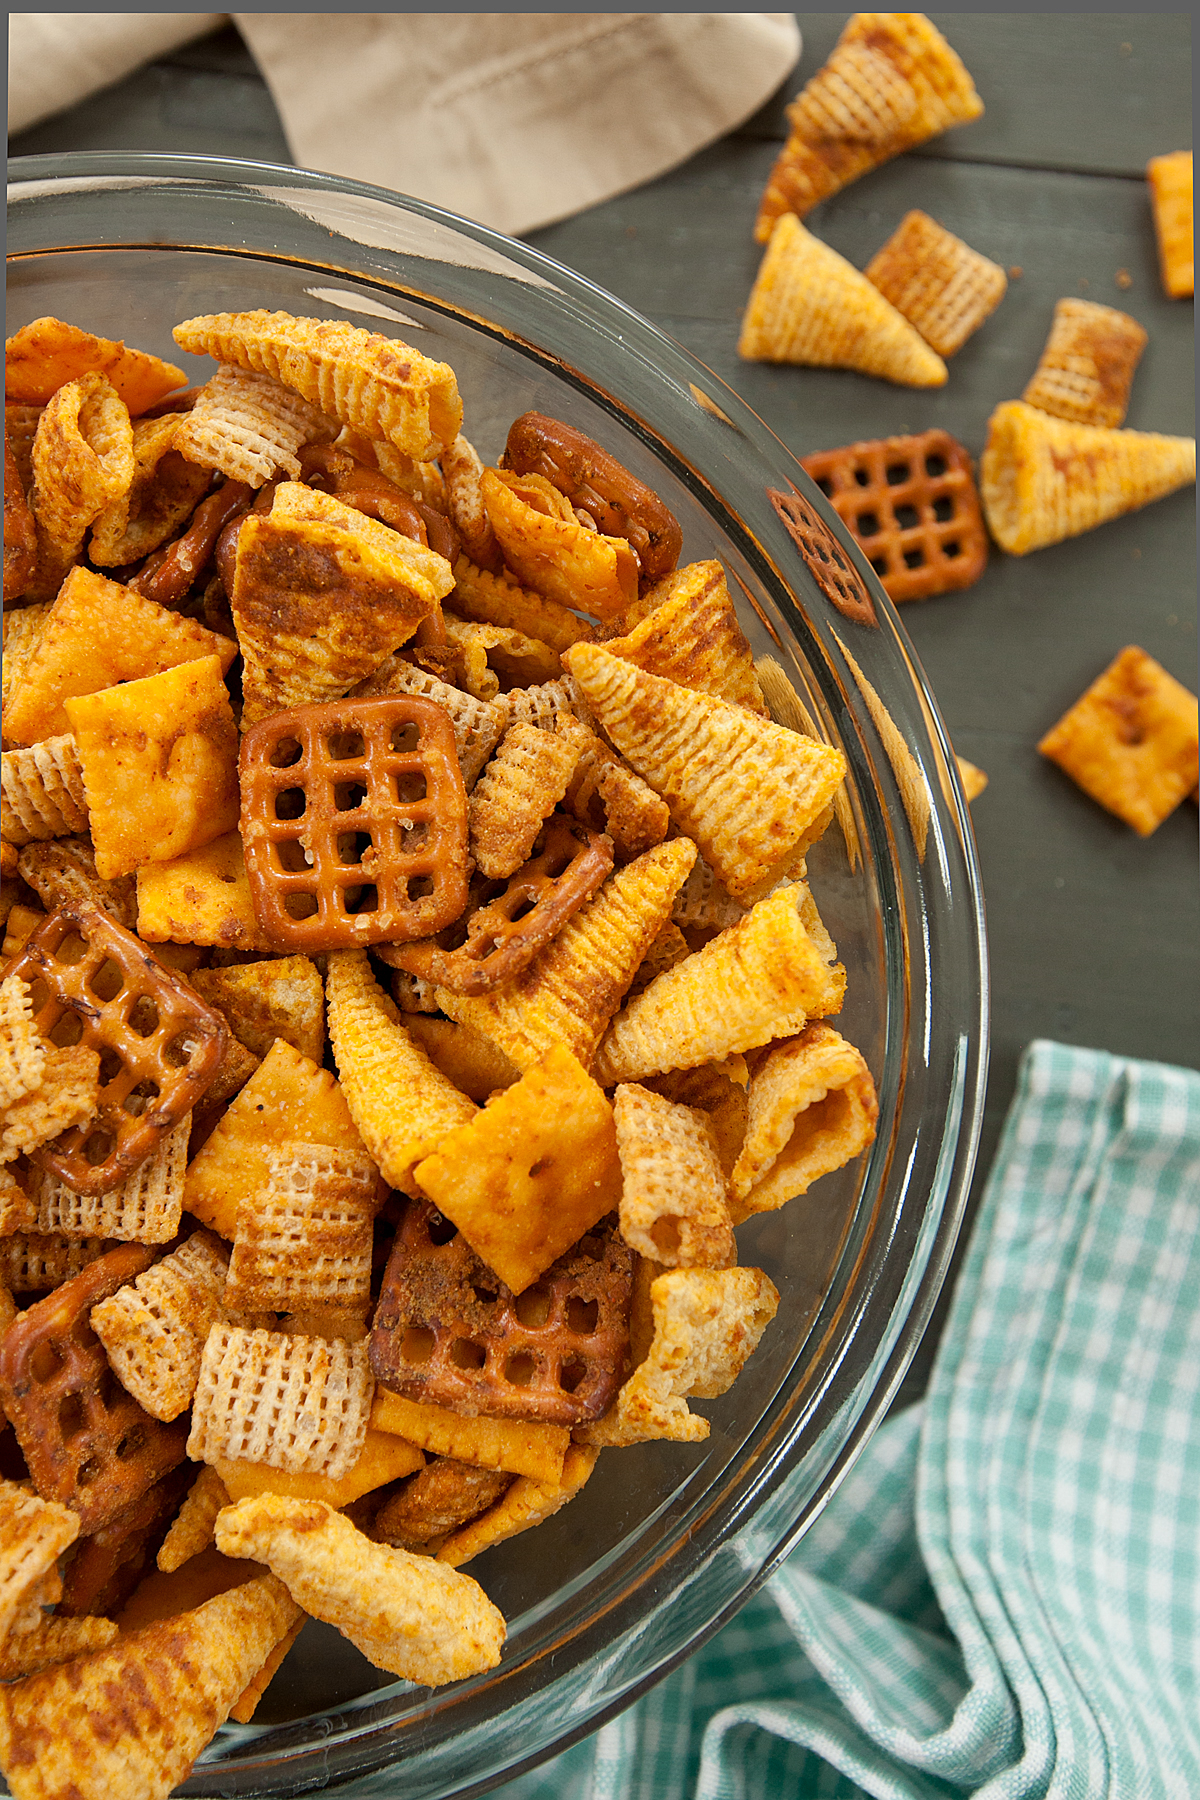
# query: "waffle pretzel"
[87,1442]
[354,820]
[448,1332]
[911,503]
[166,1043]
[509,927]
[597,484]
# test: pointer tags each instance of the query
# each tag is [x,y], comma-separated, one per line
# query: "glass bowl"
[666,1540]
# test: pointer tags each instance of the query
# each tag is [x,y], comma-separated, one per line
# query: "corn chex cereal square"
[296,1403]
[145,1209]
[940,284]
[154,1328]
[305,1237]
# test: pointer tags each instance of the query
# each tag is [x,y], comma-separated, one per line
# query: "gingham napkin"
[1003,1598]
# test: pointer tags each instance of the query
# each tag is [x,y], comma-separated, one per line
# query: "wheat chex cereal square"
[305,1237]
[296,1403]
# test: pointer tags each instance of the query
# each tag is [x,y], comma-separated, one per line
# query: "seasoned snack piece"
[522,1447]
[673,1199]
[759,979]
[1130,741]
[484,655]
[669,947]
[43,356]
[707,1324]
[1044,479]
[107,1563]
[703,901]
[320,594]
[443,1496]
[63,871]
[809,305]
[22,628]
[526,1503]
[831,568]
[262,1001]
[400,1102]
[297,1403]
[65,1100]
[462,470]
[531,1172]
[20,532]
[515,795]
[354,821]
[1170,179]
[543,704]
[250,427]
[407,1614]
[720,1095]
[41,791]
[974,780]
[159,760]
[376,385]
[32,1264]
[496,599]
[33,1535]
[130,1720]
[154,1329]
[163,495]
[572,988]
[166,1044]
[87,1442]
[201,897]
[1086,370]
[466,1057]
[812,1107]
[246,1705]
[745,789]
[689,632]
[911,504]
[305,1237]
[96,634]
[892,82]
[605,793]
[286,1094]
[548,549]
[22,1050]
[144,1209]
[384,1458]
[82,461]
[940,284]
[50,1641]
[478,724]
[598,485]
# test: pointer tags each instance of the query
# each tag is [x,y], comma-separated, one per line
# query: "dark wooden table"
[1093,931]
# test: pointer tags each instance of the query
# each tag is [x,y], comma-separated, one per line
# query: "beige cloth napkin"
[514,119]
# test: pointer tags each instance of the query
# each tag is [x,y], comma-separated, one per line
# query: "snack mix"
[410,981]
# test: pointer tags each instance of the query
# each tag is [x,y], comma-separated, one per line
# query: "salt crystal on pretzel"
[478,724]
[745,789]
[498,599]
[262,1001]
[443,1496]
[296,1403]
[475,1065]
[98,633]
[516,793]
[812,1107]
[154,1329]
[22,1051]
[192,1528]
[200,897]
[41,791]
[46,354]
[62,872]
[1170,179]
[401,1103]
[525,1504]
[892,82]
[250,427]
[809,305]
[940,284]
[33,1535]
[688,631]
[377,385]
[164,493]
[707,1324]
[570,991]
[145,1208]
[1043,479]
[286,1094]
[128,1721]
[759,979]
[548,549]
[408,1614]
[82,461]
[1087,366]
[305,1237]
[673,1196]
[67,1096]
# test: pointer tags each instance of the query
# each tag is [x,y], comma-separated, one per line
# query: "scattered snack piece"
[1086,369]
[809,305]
[41,791]
[262,1001]
[250,427]
[192,1529]
[43,356]
[1043,479]
[891,83]
[516,793]
[297,1403]
[707,1323]
[154,1329]
[1170,179]
[144,1209]
[1130,741]
[548,549]
[201,897]
[812,1107]
[673,1198]
[520,1446]
[745,789]
[525,1504]
[973,780]
[443,1496]
[530,1173]
[305,1237]
[131,1719]
[408,1614]
[940,284]
[688,631]
[911,503]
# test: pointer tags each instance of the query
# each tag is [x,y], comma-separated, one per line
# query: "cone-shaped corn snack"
[758,980]
[744,788]
[893,81]
[571,990]
[1043,479]
[132,1719]
[812,1107]
[400,1101]
[809,305]
[690,634]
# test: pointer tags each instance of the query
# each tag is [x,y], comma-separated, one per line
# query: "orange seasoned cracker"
[673,1196]
[498,599]
[50,1641]
[408,1614]
[298,1403]
[96,634]
[159,759]
[305,1237]
[262,1001]
[200,897]
[43,356]
[520,1446]
[41,791]
[688,631]
[1086,369]
[1170,179]
[154,1328]
[525,1504]
[812,1107]
[516,793]
[401,1103]
[548,549]
[940,284]
[384,1457]
[531,1173]
[475,1065]
[1130,741]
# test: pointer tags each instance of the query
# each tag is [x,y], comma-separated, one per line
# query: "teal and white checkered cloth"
[1003,1598]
